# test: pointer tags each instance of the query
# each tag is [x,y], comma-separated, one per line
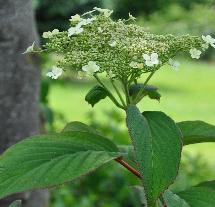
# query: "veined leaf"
[49,160]
[79,126]
[196,132]
[157,144]
[173,200]
[202,195]
[16,203]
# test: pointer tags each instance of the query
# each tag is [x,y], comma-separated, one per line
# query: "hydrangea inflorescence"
[95,43]
[117,47]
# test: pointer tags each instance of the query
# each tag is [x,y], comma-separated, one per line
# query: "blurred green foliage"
[52,14]
[177,20]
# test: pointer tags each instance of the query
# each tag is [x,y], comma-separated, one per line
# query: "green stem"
[118,93]
[124,82]
[149,77]
[110,94]
[144,84]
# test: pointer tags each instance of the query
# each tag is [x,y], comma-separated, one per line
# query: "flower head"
[131,17]
[209,40]
[205,46]
[84,22]
[195,53]
[125,49]
[174,64]
[55,73]
[75,30]
[50,34]
[75,18]
[151,60]
[30,49]
[91,68]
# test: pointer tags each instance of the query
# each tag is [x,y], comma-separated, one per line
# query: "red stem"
[127,166]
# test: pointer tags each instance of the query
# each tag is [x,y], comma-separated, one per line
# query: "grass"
[186,95]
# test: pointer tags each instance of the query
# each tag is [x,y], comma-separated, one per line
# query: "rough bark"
[19,85]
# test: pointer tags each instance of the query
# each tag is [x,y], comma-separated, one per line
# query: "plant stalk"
[118,93]
[144,84]
[111,96]
[127,166]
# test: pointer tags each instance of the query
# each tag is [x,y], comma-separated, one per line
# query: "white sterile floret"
[106,12]
[195,53]
[75,30]
[50,34]
[151,60]
[55,73]
[205,46]
[131,17]
[174,64]
[91,68]
[209,40]
[30,49]
[75,18]
[112,43]
[84,22]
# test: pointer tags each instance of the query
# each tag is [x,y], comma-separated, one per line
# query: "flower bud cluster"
[117,47]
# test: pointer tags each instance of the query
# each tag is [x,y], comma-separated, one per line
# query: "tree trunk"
[19,85]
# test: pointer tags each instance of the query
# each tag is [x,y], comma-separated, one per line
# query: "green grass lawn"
[188,94]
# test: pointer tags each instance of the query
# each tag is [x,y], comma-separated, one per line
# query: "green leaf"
[157,143]
[196,132]
[49,160]
[149,90]
[140,198]
[95,95]
[173,200]
[16,203]
[139,195]
[202,195]
[79,126]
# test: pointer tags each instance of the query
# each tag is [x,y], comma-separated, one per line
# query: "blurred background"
[187,94]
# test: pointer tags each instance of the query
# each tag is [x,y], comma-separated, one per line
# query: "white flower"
[195,53]
[91,68]
[151,60]
[75,18]
[50,34]
[205,46]
[131,17]
[75,30]
[209,40]
[136,65]
[30,49]
[85,22]
[112,43]
[106,12]
[174,64]
[55,73]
